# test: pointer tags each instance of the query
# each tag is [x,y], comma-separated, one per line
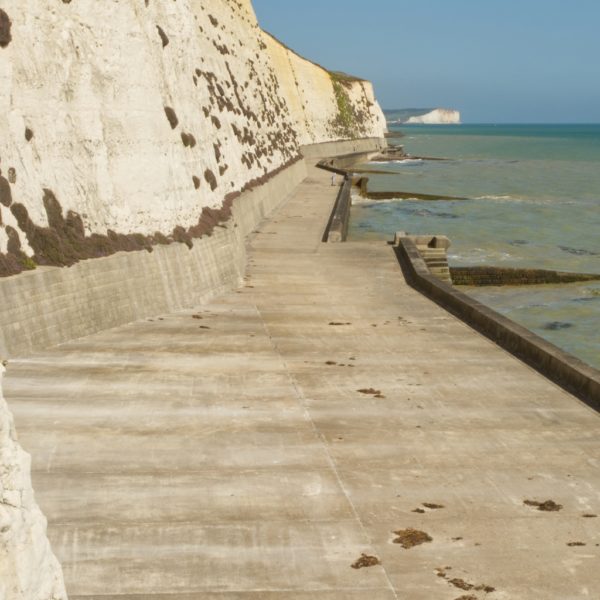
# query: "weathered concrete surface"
[233,463]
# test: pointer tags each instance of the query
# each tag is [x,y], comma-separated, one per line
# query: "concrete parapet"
[339,149]
[564,369]
[337,227]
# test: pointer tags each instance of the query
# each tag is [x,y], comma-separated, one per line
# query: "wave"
[381,201]
[426,212]
[540,200]
[478,256]
[356,200]
[498,197]
[406,161]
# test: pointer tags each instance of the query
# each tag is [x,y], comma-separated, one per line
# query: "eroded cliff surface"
[127,124]
[28,569]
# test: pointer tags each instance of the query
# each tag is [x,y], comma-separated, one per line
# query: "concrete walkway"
[226,453]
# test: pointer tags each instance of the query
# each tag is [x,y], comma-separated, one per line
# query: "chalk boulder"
[28,569]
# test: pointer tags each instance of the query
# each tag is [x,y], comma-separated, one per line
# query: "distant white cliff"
[438,116]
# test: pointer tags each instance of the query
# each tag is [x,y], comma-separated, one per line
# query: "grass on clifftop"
[348,119]
[341,77]
[344,120]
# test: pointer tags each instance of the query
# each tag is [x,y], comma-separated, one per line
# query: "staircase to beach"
[436,260]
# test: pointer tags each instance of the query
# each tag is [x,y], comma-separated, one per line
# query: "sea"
[530,198]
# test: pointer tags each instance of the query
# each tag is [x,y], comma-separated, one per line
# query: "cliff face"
[323,105]
[28,569]
[127,124]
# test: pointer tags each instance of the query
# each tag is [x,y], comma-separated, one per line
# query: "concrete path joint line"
[302,401]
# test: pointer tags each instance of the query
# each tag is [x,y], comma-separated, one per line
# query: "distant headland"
[424,116]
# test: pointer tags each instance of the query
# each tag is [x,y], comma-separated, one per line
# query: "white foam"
[496,197]
[370,202]
[406,161]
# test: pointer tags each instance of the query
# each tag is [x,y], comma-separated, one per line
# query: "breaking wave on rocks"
[407,162]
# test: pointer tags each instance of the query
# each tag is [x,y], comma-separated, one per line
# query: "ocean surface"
[532,200]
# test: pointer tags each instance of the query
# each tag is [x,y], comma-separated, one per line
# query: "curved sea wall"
[566,370]
[141,142]
[137,126]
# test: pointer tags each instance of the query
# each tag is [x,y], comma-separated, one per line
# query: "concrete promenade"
[226,452]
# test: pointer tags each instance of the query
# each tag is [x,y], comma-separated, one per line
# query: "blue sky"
[497,61]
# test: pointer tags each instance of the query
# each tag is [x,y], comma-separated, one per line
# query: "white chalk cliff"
[129,118]
[28,569]
[438,116]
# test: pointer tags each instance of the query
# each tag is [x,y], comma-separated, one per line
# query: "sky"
[497,61]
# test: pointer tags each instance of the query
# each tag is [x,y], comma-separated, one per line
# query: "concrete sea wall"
[487,275]
[92,295]
[337,226]
[559,366]
[344,152]
[66,303]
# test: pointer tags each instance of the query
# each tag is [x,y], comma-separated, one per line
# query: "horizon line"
[500,123]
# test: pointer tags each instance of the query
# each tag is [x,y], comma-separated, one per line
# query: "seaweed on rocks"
[547,506]
[409,538]
[365,560]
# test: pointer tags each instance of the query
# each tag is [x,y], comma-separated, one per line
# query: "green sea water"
[533,200]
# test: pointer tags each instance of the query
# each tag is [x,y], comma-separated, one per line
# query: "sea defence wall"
[337,226]
[487,275]
[559,366]
[92,295]
[344,152]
